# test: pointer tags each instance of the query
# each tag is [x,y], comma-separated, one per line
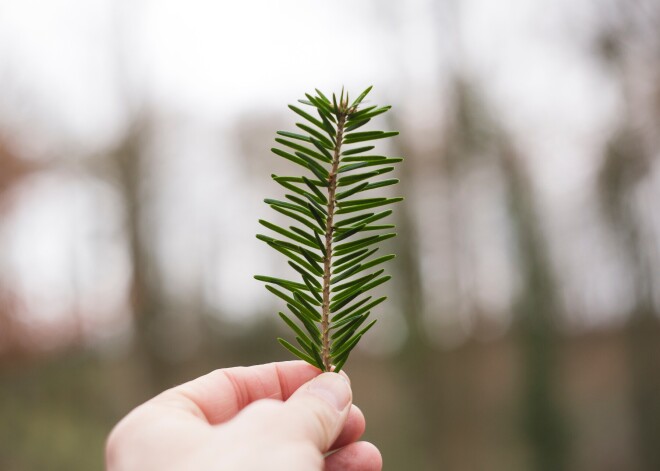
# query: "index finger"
[220,395]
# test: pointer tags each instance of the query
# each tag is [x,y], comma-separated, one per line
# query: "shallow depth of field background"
[523,327]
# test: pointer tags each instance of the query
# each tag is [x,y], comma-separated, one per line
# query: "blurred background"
[522,331]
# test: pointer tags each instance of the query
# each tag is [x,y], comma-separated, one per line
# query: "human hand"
[278,417]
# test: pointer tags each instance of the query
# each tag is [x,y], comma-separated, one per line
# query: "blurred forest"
[523,329]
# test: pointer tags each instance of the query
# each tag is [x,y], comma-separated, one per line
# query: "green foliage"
[331,251]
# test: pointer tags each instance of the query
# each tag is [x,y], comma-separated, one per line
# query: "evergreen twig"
[326,297]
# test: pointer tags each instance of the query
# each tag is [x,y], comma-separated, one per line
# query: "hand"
[276,417]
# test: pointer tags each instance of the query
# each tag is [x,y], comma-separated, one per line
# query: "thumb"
[318,410]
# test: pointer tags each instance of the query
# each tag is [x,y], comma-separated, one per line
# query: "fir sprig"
[332,251]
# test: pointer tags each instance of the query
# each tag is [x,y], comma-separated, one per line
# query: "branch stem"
[329,229]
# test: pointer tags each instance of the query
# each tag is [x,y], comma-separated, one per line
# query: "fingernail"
[345,376]
[332,388]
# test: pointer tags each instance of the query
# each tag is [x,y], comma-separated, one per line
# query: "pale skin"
[283,416]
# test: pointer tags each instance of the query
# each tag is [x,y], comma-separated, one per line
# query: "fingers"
[359,456]
[312,418]
[353,429]
[317,412]
[221,394]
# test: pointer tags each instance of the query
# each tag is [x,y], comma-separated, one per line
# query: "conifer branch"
[329,232]
[326,338]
